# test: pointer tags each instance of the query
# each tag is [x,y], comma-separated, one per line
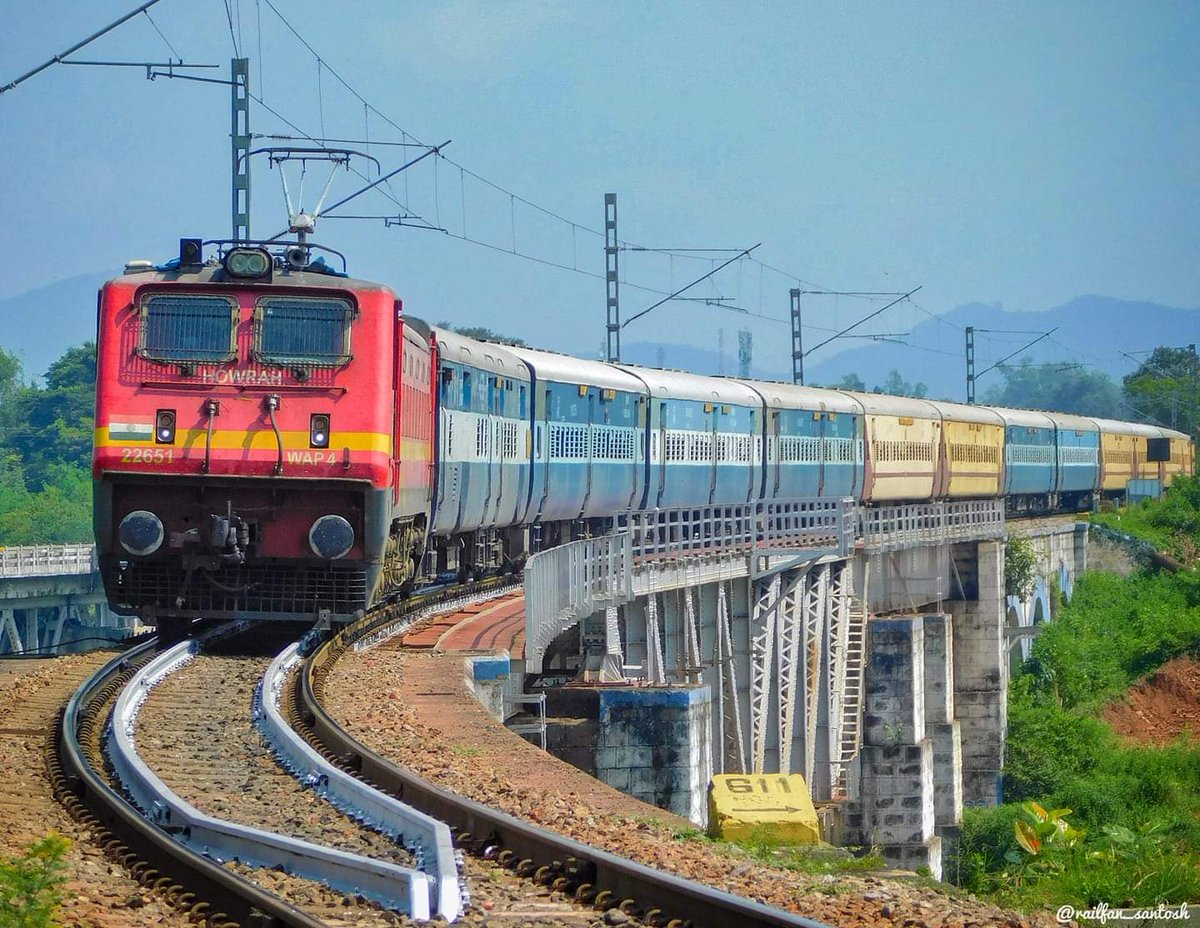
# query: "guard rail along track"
[593,875]
[395,887]
[192,882]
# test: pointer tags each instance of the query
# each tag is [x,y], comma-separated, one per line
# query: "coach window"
[187,329]
[466,391]
[300,332]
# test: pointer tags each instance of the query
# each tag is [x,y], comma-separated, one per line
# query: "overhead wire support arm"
[1017,352]
[852,327]
[701,278]
[436,150]
[78,45]
[151,74]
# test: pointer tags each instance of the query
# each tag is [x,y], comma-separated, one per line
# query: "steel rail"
[594,874]
[207,884]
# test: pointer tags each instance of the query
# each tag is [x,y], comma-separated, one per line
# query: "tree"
[10,374]
[850,382]
[898,386]
[1058,387]
[53,425]
[483,334]
[1166,387]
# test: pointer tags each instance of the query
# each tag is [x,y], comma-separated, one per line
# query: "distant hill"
[1093,330]
[41,324]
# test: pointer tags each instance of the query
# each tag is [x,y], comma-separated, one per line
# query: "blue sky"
[1022,154]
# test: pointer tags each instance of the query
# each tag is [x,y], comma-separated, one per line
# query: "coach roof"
[561,368]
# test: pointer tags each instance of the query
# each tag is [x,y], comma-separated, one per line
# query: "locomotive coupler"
[229,536]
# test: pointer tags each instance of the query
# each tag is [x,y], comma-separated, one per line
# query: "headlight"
[141,533]
[331,537]
[247,262]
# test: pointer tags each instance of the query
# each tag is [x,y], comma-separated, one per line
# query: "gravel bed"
[195,731]
[99,893]
[414,708]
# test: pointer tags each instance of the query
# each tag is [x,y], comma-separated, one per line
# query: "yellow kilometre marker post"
[756,805]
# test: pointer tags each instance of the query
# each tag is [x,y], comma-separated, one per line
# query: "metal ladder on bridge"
[852,696]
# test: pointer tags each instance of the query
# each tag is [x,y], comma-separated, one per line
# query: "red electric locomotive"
[263,434]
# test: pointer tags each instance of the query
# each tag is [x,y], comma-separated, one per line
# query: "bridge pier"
[981,672]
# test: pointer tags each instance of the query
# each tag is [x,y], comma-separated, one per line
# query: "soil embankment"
[1161,707]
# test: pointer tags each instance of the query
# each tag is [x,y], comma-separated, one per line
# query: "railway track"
[592,876]
[196,732]
[199,886]
[196,728]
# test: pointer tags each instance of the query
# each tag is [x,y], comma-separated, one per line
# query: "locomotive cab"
[244,456]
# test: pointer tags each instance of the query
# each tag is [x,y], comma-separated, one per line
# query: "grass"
[1171,524]
[764,848]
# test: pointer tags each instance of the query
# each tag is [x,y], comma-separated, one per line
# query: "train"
[278,440]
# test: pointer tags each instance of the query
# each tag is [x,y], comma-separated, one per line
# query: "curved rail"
[428,838]
[223,892]
[567,864]
[390,885]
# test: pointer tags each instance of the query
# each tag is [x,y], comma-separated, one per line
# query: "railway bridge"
[868,649]
[52,601]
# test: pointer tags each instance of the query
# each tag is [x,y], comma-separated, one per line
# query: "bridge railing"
[891,528]
[570,582]
[741,527]
[47,560]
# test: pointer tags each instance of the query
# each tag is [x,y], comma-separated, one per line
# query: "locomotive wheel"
[400,560]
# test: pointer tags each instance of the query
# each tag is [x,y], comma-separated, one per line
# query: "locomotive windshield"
[187,328]
[302,332]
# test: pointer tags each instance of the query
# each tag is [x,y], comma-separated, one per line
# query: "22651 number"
[147,455]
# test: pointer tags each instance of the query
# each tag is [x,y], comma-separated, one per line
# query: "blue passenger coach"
[1077,452]
[482,467]
[814,442]
[588,451]
[1030,457]
[705,439]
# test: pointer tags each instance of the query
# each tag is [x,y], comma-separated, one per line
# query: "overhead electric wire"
[232,36]
[862,320]
[320,139]
[77,46]
[162,36]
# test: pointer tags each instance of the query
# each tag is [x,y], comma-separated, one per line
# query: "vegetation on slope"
[1131,832]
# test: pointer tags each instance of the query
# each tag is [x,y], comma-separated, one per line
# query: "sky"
[1019,153]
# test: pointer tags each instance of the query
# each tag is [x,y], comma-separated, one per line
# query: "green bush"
[31,884]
